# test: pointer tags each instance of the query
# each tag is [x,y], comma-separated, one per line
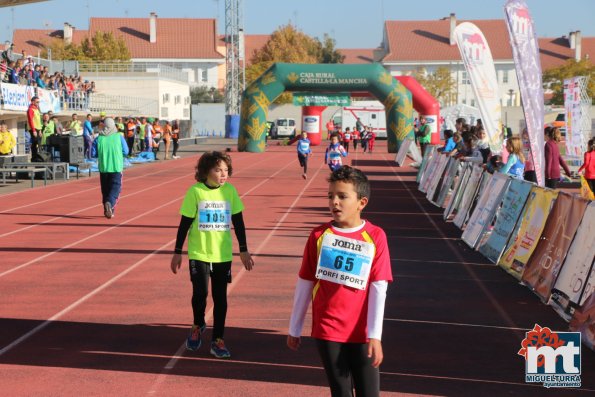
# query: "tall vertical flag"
[479,64]
[525,51]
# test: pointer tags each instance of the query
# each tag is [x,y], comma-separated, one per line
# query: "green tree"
[553,79]
[103,46]
[287,44]
[205,95]
[439,84]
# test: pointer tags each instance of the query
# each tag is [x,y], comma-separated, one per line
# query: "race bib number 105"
[214,216]
[345,261]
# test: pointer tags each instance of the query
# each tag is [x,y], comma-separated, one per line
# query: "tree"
[553,79]
[205,95]
[439,84]
[287,44]
[103,46]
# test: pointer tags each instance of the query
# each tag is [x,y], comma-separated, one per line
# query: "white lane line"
[207,360]
[178,354]
[99,205]
[96,187]
[402,320]
[73,305]
[101,232]
[58,315]
[456,254]
[441,261]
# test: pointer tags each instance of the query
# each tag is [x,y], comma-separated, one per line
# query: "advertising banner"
[485,209]
[544,265]
[49,101]
[479,65]
[525,51]
[522,244]
[429,172]
[449,176]
[469,193]
[16,97]
[430,150]
[514,200]
[575,281]
[583,321]
[328,99]
[440,167]
[402,153]
[458,189]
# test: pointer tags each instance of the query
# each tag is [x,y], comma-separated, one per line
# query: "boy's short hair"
[354,176]
[335,135]
[208,161]
[448,133]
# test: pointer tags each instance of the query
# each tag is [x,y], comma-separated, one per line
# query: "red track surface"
[90,307]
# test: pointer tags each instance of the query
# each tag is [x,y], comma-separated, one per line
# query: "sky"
[352,23]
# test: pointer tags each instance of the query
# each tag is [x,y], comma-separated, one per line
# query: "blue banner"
[512,205]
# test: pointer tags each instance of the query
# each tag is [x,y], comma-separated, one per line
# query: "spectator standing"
[589,165]
[167,138]
[88,136]
[515,164]
[7,141]
[110,149]
[130,134]
[330,128]
[422,133]
[35,125]
[175,137]
[75,126]
[553,159]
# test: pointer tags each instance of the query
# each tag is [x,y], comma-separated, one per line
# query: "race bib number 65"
[214,216]
[345,261]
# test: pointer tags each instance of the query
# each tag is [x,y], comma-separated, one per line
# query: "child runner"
[355,137]
[347,312]
[303,152]
[371,139]
[210,206]
[333,153]
[347,139]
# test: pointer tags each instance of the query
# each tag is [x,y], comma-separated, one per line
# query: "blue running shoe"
[193,341]
[219,350]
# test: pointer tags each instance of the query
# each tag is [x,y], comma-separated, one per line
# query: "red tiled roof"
[35,40]
[555,52]
[253,43]
[176,37]
[357,55]
[429,40]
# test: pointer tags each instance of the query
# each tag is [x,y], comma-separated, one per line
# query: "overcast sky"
[353,23]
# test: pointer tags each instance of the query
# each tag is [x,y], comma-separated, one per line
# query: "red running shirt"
[340,313]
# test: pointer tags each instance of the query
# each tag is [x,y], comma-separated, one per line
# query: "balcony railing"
[87,69]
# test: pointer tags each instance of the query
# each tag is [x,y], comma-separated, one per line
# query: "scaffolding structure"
[234,59]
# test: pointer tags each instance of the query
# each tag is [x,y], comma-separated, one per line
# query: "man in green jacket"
[423,134]
[110,148]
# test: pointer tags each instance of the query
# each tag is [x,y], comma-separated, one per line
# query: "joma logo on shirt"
[347,244]
[214,205]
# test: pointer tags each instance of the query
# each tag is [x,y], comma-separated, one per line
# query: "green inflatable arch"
[281,77]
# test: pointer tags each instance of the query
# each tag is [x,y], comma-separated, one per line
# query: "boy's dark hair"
[354,176]
[448,134]
[208,161]
[335,135]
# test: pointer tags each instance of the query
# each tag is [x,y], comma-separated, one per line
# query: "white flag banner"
[479,65]
[525,50]
[576,141]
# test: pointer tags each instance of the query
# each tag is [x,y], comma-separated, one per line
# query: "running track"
[88,306]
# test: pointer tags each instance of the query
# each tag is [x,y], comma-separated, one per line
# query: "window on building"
[186,113]
[165,98]
[473,102]
[204,76]
[505,76]
[164,112]
[177,99]
[465,78]
[464,101]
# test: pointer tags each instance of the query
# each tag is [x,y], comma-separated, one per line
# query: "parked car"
[282,127]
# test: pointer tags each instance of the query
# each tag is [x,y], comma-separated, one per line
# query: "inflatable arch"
[320,78]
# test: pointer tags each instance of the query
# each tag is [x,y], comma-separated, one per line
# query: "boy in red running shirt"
[345,272]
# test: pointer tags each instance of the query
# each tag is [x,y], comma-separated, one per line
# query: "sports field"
[89,306]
